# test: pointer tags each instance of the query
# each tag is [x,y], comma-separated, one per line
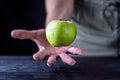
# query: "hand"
[45,49]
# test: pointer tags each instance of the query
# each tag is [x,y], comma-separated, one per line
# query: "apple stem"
[64,20]
[60,19]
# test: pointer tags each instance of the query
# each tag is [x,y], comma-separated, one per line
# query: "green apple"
[60,33]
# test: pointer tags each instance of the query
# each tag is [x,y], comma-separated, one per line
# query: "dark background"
[19,14]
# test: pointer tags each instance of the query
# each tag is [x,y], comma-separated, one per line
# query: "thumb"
[22,34]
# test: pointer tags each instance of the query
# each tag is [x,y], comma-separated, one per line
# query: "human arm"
[58,9]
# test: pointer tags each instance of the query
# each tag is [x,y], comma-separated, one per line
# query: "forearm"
[58,9]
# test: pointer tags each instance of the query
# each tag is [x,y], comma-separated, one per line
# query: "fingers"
[39,55]
[22,34]
[51,60]
[67,59]
[78,51]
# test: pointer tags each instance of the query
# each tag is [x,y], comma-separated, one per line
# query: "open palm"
[45,49]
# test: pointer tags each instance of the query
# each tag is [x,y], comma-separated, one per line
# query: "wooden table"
[25,68]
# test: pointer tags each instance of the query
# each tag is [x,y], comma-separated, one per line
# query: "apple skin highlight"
[61,33]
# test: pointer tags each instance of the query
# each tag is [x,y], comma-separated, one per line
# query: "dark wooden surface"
[25,68]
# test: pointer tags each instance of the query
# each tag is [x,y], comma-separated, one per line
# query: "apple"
[60,33]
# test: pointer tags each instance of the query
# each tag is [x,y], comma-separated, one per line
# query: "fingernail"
[35,57]
[84,52]
[50,64]
[72,63]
